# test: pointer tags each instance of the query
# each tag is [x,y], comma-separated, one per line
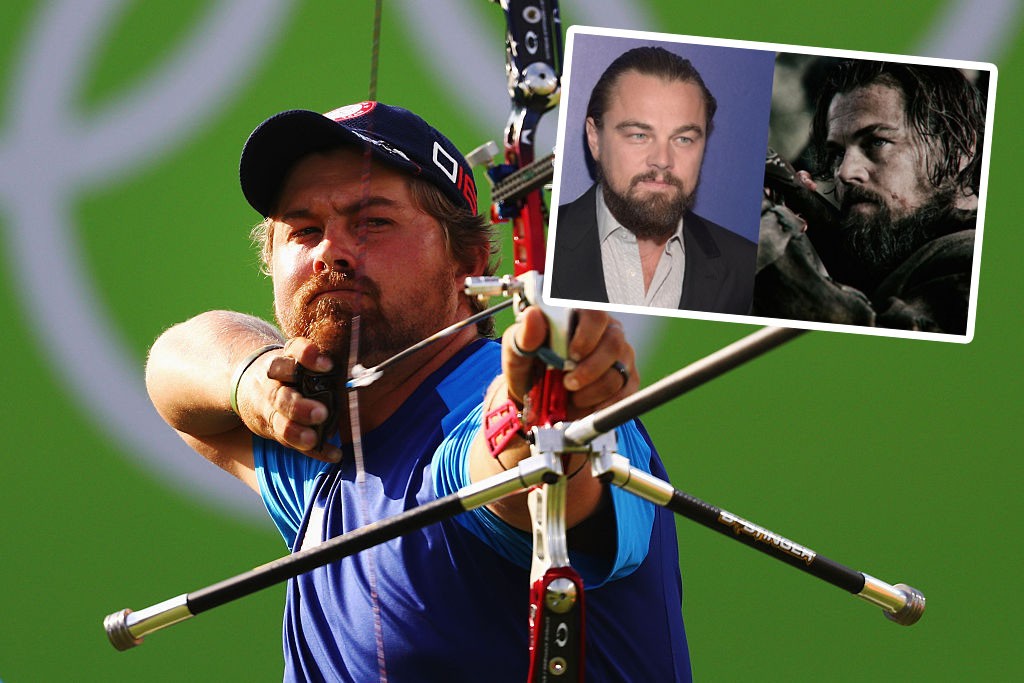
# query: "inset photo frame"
[770,184]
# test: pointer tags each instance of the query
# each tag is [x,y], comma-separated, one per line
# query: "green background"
[895,457]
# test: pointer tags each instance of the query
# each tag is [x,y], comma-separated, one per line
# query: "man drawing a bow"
[370,214]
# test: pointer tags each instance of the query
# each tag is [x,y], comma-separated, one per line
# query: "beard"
[328,321]
[880,241]
[654,216]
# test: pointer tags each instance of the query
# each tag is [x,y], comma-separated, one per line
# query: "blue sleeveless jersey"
[453,598]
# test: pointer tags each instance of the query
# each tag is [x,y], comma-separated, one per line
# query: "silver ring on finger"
[620,368]
[519,352]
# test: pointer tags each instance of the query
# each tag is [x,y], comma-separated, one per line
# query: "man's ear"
[593,138]
[483,260]
[965,160]
[962,163]
[267,250]
[478,265]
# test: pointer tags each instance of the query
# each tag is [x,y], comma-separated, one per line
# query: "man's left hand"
[605,364]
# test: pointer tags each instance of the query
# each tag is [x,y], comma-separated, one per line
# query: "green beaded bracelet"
[242,367]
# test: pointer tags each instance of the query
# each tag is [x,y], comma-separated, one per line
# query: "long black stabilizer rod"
[127,628]
[679,382]
[901,603]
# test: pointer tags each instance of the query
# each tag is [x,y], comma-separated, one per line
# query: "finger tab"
[283,369]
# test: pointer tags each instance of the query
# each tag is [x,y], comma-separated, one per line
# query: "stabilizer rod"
[679,382]
[901,603]
[127,628]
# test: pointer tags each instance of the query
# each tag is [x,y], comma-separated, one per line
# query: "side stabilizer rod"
[127,628]
[901,603]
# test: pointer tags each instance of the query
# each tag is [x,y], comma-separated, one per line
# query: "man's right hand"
[272,408]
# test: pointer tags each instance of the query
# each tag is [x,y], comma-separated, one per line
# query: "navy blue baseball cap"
[395,136]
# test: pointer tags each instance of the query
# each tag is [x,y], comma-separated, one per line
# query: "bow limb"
[533,65]
[529,220]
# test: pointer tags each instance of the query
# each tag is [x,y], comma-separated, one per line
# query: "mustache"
[855,194]
[655,176]
[337,280]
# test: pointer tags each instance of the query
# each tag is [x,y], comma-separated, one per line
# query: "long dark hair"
[941,104]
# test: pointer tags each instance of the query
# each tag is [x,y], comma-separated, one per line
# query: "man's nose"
[854,168]
[660,155]
[337,250]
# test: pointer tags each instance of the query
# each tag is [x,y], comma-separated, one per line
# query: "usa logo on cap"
[351,111]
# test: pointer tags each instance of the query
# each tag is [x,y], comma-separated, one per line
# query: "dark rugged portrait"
[873,222]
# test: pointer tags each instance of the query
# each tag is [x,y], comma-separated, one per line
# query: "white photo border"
[563,114]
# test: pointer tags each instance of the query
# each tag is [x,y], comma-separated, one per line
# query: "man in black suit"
[632,238]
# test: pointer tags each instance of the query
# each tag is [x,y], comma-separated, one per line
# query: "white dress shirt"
[623,272]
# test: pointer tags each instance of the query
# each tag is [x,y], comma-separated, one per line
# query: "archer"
[367,237]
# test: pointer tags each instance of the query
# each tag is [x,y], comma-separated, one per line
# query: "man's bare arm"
[189,377]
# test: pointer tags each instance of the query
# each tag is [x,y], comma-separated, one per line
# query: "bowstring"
[353,359]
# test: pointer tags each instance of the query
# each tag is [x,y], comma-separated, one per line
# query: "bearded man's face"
[881,163]
[343,246]
[648,148]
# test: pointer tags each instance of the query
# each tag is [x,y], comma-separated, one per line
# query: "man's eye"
[638,136]
[374,223]
[307,231]
[833,160]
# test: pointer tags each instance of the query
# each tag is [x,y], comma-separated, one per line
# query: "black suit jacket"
[719,275]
